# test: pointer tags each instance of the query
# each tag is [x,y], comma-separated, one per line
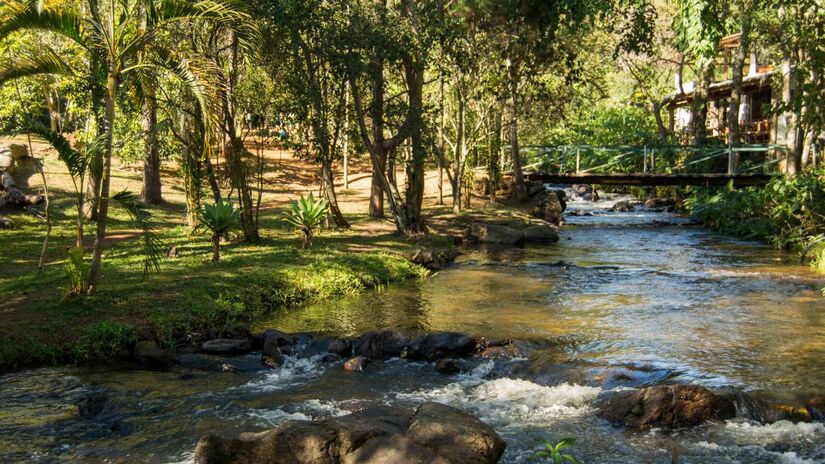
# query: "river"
[624,299]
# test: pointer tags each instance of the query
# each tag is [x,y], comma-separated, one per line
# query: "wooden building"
[756,123]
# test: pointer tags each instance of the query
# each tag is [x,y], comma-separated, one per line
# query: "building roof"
[749,82]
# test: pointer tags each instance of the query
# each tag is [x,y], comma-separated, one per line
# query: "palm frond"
[152,244]
[63,22]
[75,161]
[42,61]
[194,76]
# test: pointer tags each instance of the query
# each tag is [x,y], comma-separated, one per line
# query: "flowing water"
[624,299]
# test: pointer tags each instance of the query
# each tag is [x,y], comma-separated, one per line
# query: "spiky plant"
[219,218]
[307,214]
[554,453]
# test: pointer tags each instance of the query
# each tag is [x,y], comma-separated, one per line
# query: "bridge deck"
[739,180]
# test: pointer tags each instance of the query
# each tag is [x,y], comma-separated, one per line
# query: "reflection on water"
[718,311]
[637,295]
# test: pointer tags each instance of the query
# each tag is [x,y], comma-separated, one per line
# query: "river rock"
[435,433]
[434,260]
[456,435]
[623,206]
[227,346]
[541,233]
[507,348]
[379,344]
[659,202]
[271,355]
[496,233]
[449,366]
[356,364]
[667,406]
[549,207]
[340,346]
[535,188]
[435,346]
[148,353]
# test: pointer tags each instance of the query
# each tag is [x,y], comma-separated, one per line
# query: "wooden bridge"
[744,165]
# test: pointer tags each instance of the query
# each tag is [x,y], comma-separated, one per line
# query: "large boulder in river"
[456,435]
[379,344]
[435,433]
[667,406]
[550,206]
[496,233]
[434,346]
[541,233]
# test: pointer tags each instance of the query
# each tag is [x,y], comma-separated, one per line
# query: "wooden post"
[563,160]
[731,161]
[578,159]
[644,160]
[652,161]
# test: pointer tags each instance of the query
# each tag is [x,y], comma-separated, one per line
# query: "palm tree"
[120,37]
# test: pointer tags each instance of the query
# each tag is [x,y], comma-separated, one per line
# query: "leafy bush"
[306,215]
[77,271]
[219,218]
[788,212]
[104,340]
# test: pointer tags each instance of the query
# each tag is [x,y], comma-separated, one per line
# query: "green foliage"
[77,272]
[555,454]
[219,218]
[103,340]
[307,214]
[604,124]
[788,212]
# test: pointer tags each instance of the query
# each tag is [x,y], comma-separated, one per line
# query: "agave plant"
[554,453]
[219,218]
[307,214]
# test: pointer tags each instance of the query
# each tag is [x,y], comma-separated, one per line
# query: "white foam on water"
[274,417]
[294,372]
[779,432]
[755,452]
[509,402]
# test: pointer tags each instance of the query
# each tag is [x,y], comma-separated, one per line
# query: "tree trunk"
[12,195]
[738,67]
[216,248]
[379,162]
[151,191]
[700,106]
[99,99]
[234,152]
[414,76]
[519,187]
[656,108]
[103,203]
[460,148]
[329,191]
[793,162]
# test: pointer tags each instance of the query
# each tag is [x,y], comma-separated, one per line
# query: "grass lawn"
[190,294]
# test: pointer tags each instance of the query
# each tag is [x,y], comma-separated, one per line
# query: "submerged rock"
[449,366]
[204,362]
[227,346]
[550,206]
[92,404]
[435,346]
[667,406]
[435,433]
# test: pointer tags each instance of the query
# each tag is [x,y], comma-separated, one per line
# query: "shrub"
[306,214]
[219,218]
[104,340]
[77,271]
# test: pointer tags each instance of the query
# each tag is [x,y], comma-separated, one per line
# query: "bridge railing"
[653,159]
